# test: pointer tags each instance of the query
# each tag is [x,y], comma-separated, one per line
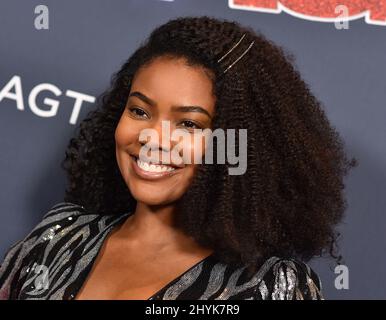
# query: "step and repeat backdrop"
[56,57]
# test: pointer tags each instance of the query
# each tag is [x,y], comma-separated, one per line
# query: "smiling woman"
[132,227]
[165,90]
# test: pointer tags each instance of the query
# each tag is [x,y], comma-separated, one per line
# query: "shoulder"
[58,212]
[59,216]
[62,210]
[288,279]
[276,278]
[15,258]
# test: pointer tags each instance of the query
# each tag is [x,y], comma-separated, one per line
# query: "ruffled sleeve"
[290,279]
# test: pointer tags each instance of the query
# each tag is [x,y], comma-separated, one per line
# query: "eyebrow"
[176,108]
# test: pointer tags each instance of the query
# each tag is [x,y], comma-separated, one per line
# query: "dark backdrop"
[88,40]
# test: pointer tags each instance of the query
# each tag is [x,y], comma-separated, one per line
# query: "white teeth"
[153,167]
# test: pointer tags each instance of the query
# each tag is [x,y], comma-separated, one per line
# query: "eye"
[190,124]
[138,112]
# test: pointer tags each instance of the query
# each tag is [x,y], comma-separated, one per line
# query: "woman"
[130,229]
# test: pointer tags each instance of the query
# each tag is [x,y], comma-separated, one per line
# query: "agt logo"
[13,91]
[374,11]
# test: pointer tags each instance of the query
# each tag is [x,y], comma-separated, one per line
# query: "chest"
[119,275]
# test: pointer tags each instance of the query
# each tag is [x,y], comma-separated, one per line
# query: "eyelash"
[136,115]
[132,110]
[195,124]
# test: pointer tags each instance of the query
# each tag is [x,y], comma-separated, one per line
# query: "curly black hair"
[290,200]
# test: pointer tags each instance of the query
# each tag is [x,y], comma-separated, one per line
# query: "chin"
[152,195]
[153,201]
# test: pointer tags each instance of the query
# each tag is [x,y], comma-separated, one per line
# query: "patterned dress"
[54,259]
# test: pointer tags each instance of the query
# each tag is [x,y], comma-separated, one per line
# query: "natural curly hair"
[289,201]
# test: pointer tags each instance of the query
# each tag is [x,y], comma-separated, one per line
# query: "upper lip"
[160,163]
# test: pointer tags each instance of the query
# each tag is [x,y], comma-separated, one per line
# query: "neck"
[153,227]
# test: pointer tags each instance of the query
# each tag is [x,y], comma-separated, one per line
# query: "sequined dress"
[53,261]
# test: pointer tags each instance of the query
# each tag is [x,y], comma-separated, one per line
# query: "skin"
[147,251]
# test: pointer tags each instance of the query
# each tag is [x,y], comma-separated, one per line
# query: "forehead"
[171,80]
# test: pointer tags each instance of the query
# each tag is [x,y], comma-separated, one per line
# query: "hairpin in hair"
[233,63]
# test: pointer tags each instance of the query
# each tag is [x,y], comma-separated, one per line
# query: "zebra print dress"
[54,259]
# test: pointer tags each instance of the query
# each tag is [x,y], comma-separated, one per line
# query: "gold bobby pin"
[250,46]
[232,50]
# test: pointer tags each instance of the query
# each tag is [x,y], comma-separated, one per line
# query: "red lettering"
[374,11]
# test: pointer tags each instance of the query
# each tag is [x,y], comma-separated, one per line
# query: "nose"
[154,146]
[159,137]
[158,144]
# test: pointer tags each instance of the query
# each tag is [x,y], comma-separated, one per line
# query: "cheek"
[125,136]
[125,133]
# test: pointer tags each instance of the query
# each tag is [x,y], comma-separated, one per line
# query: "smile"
[152,171]
[149,167]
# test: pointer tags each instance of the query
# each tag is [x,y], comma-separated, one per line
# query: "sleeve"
[9,268]
[13,259]
[290,279]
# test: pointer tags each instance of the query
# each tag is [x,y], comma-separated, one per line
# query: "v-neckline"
[110,229]
[179,277]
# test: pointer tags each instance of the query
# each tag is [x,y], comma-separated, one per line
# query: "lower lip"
[151,175]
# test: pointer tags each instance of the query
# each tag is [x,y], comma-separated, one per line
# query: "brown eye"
[138,112]
[190,124]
